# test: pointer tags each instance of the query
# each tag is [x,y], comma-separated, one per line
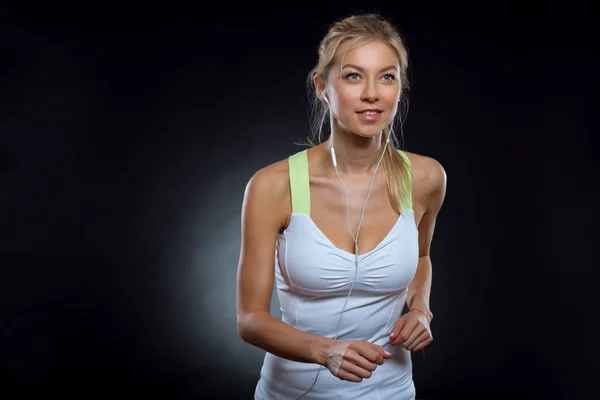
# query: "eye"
[352,76]
[389,77]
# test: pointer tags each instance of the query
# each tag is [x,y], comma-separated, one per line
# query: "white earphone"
[332,149]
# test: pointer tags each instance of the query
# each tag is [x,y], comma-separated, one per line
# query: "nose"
[369,92]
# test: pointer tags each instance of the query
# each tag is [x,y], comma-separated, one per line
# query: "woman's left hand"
[411,331]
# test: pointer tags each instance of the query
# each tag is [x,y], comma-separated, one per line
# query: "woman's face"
[363,87]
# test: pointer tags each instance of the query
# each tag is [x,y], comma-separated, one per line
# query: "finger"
[413,337]
[410,345]
[357,359]
[397,328]
[403,336]
[356,370]
[425,342]
[381,352]
[347,376]
[373,353]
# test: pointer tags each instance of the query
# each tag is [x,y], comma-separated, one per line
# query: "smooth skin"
[371,82]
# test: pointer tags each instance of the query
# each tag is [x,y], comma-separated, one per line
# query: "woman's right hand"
[354,360]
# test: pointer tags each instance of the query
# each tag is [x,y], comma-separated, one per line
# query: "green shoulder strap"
[299,183]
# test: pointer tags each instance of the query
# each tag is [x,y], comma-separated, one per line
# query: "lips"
[369,115]
[370,111]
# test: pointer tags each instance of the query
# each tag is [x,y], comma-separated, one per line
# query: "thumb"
[383,352]
[397,328]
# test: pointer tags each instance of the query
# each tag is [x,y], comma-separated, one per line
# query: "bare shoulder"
[429,178]
[427,170]
[273,178]
[269,187]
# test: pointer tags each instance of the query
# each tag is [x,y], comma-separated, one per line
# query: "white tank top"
[313,278]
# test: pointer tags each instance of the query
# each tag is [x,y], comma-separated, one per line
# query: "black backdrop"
[129,133]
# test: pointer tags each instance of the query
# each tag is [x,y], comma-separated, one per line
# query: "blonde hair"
[360,28]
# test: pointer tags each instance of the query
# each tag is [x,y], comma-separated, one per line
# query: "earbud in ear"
[325,98]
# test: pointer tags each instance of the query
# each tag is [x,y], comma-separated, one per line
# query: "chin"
[367,131]
[362,129]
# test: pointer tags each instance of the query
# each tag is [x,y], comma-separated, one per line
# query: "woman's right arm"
[263,215]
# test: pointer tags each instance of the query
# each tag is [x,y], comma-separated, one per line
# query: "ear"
[319,86]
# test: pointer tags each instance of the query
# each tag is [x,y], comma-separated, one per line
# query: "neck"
[355,155]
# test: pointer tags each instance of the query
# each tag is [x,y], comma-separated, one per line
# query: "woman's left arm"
[412,329]
[434,191]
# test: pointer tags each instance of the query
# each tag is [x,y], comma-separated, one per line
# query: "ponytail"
[398,173]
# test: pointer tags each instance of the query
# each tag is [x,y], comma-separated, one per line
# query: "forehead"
[373,54]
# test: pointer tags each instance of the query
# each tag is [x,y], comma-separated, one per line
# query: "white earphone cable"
[355,238]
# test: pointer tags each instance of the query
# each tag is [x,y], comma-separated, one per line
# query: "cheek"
[346,100]
[390,95]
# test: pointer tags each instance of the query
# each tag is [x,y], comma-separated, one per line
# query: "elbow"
[242,328]
[247,326]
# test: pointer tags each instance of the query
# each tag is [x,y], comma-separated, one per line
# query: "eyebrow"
[362,70]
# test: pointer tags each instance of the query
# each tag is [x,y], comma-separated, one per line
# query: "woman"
[345,228]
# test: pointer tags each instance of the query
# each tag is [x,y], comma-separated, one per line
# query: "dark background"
[129,133]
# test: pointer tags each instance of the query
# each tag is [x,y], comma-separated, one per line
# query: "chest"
[356,210]
[313,265]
